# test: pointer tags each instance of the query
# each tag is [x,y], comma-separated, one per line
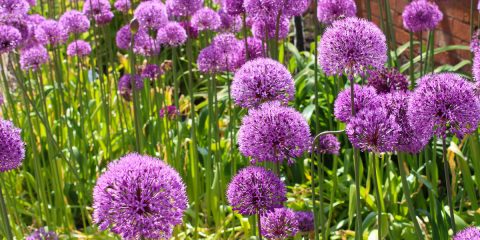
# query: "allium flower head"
[151,14]
[98,10]
[331,10]
[33,57]
[364,97]
[207,61]
[470,233]
[74,22]
[234,7]
[42,234]
[255,48]
[206,19]
[12,147]
[387,80]
[124,37]
[173,35]
[256,190]
[192,32]
[444,104]
[79,48]
[295,7]
[476,67]
[139,196]
[224,54]
[273,133]
[125,85]
[14,7]
[169,111]
[421,15]
[475,43]
[151,71]
[35,18]
[262,80]
[305,221]
[145,45]
[327,144]
[373,130]
[55,32]
[409,141]
[352,45]
[122,5]
[263,9]
[230,23]
[9,39]
[281,223]
[183,8]
[266,28]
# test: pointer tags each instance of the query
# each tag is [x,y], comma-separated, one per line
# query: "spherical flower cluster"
[421,15]
[207,61]
[32,58]
[230,23]
[255,48]
[351,45]
[42,234]
[470,233]
[151,14]
[331,10]
[373,130]
[35,18]
[151,71]
[55,32]
[122,5]
[125,88]
[295,7]
[364,97]
[79,48]
[281,223]
[263,9]
[98,10]
[169,111]
[262,80]
[9,39]
[234,7]
[273,133]
[444,104]
[305,221]
[387,80]
[255,190]
[74,22]
[396,105]
[224,54]
[139,196]
[173,35]
[327,144]
[12,146]
[206,19]
[14,7]
[183,8]
[191,31]
[476,67]
[143,44]
[268,29]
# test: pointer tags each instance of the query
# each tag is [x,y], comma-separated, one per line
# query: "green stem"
[259,222]
[320,194]
[447,184]
[377,194]
[5,219]
[356,163]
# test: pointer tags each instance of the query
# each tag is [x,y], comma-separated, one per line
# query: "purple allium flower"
[350,46]
[305,221]
[469,233]
[36,18]
[12,146]
[14,7]
[421,15]
[74,22]
[262,80]
[273,133]
[263,9]
[145,45]
[122,5]
[151,14]
[207,61]
[476,67]
[183,8]
[255,48]
[9,39]
[125,88]
[99,10]
[103,18]
[410,141]
[224,54]
[230,23]
[79,48]
[233,7]
[281,223]
[42,234]
[151,71]
[268,28]
[327,144]
[124,37]
[475,43]
[387,80]
[192,32]
[331,10]
[206,19]
[33,57]
[444,104]
[295,7]
[55,32]
[364,97]
[373,130]
[139,196]
[255,190]
[173,35]
[169,111]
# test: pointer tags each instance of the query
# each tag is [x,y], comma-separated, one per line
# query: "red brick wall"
[453,29]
